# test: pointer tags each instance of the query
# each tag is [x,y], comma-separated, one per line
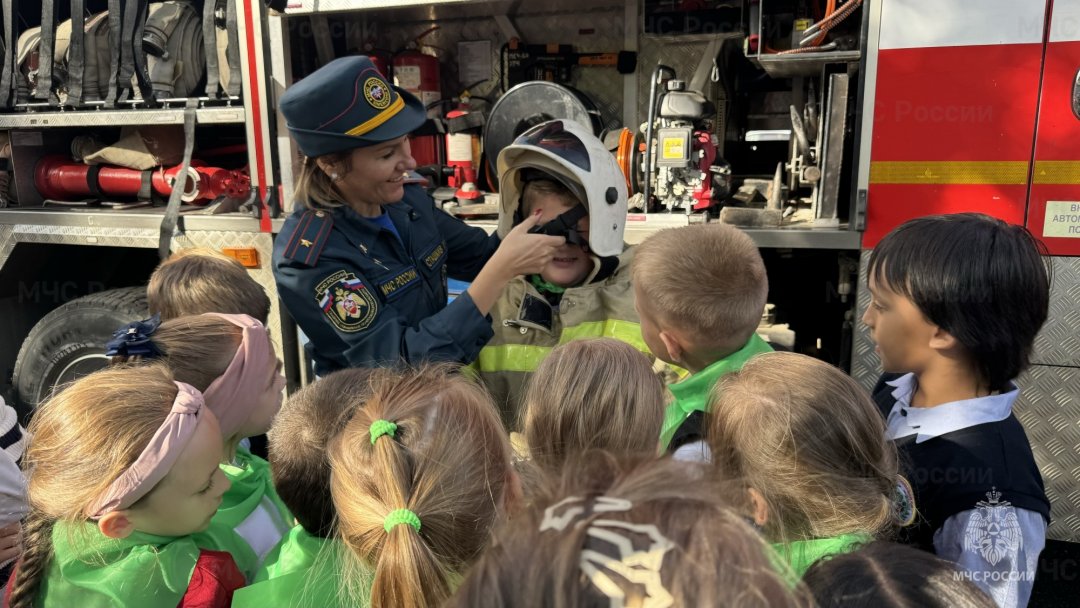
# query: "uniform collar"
[930,422]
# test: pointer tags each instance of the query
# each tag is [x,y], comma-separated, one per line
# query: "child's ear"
[673,346]
[759,508]
[942,340]
[116,524]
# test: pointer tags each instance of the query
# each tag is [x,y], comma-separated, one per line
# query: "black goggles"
[565,225]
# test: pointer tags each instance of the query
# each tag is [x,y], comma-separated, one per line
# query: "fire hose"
[58,177]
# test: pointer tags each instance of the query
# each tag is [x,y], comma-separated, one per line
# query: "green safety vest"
[251,481]
[802,554]
[89,569]
[303,570]
[692,394]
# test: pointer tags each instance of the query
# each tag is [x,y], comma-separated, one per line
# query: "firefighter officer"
[362,262]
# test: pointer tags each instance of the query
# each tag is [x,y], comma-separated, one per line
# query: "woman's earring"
[334,177]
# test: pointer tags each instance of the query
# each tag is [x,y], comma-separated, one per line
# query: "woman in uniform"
[362,262]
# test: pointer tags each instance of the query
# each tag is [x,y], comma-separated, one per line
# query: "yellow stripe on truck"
[1064,172]
[1006,172]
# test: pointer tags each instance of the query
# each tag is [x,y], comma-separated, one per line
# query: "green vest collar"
[802,554]
[692,393]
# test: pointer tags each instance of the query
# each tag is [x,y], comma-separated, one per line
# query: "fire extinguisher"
[418,73]
[380,59]
[462,152]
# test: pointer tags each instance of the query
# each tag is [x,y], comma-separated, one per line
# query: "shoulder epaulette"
[307,240]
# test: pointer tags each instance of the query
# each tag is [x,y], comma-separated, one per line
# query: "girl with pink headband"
[229,357]
[123,481]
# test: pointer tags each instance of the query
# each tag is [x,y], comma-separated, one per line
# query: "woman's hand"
[521,253]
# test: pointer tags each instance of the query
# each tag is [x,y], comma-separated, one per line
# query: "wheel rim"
[76,368]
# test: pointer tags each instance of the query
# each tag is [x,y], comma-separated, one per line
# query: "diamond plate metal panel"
[1059,341]
[681,55]
[12,234]
[1049,408]
[865,364]
[1049,404]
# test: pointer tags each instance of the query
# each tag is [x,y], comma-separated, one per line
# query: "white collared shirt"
[1009,580]
[928,422]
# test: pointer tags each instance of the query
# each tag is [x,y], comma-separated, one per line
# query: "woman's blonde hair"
[314,188]
[635,528]
[197,348]
[596,393]
[808,438]
[84,437]
[448,461]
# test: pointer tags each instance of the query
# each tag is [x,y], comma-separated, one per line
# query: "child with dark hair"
[887,575]
[956,303]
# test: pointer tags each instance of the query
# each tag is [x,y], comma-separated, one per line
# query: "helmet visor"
[559,142]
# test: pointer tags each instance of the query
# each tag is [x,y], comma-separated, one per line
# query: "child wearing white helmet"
[561,172]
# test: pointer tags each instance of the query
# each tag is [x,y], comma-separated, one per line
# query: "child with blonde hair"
[123,481]
[197,281]
[699,291]
[595,393]
[808,449]
[627,532]
[231,359]
[304,569]
[420,476]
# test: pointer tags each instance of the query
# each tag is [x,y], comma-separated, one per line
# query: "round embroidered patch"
[904,502]
[346,302]
[376,93]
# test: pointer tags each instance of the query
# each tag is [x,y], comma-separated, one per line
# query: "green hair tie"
[380,428]
[401,516]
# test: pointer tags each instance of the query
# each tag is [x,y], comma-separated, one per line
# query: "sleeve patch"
[346,302]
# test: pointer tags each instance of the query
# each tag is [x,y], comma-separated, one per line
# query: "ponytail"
[417,479]
[34,561]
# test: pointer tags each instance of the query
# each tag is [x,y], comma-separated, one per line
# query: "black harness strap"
[142,73]
[116,13]
[172,210]
[209,36]
[50,15]
[232,52]
[76,53]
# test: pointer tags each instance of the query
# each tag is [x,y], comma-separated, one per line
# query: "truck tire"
[69,343]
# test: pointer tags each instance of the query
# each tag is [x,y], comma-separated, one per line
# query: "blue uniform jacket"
[366,298]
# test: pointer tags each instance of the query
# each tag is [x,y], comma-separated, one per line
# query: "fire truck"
[815,125]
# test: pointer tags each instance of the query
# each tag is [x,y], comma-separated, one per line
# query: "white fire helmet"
[575,157]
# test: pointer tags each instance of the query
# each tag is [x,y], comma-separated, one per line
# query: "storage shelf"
[803,64]
[115,117]
[766,238]
[310,7]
